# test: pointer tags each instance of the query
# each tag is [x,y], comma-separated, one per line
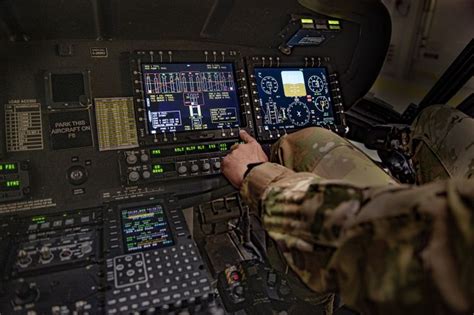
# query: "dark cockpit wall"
[359,51]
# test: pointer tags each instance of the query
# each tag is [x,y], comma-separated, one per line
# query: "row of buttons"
[193,168]
[57,223]
[160,303]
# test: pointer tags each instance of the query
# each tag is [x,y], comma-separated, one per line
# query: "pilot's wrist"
[250,167]
[258,180]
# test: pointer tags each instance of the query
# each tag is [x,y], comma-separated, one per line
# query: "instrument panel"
[95,181]
[115,117]
[182,114]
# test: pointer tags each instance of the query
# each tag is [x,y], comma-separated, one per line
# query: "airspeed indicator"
[269,85]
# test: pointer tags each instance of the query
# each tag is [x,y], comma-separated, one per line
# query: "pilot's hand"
[234,165]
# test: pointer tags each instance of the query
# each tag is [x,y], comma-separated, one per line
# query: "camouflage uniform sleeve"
[387,250]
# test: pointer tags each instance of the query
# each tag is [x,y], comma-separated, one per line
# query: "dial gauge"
[322,103]
[298,113]
[316,84]
[269,85]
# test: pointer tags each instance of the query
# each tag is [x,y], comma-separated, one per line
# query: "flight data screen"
[197,96]
[293,98]
[145,228]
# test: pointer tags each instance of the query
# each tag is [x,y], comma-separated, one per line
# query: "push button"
[194,168]
[206,167]
[182,170]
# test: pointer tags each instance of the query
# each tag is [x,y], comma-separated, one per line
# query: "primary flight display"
[293,98]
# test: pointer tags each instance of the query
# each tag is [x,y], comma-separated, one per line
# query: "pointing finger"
[246,137]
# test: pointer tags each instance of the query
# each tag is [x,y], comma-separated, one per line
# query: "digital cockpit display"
[145,228]
[294,98]
[195,96]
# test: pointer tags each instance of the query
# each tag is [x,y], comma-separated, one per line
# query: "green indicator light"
[156,152]
[333,22]
[38,219]
[191,148]
[223,146]
[179,149]
[307,21]
[8,167]
[212,146]
[334,27]
[201,147]
[13,183]
[157,169]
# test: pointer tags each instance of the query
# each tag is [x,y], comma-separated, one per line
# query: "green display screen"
[162,168]
[191,149]
[7,185]
[8,168]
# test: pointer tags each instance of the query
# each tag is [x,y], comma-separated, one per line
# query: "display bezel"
[83,102]
[189,57]
[254,63]
[238,105]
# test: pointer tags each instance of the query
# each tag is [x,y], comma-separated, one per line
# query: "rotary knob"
[182,170]
[66,253]
[86,248]
[194,168]
[25,293]
[144,158]
[217,165]
[24,259]
[133,176]
[206,167]
[45,254]
[146,175]
[131,159]
[77,175]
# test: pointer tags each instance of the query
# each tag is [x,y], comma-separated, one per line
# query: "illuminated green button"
[334,22]
[13,183]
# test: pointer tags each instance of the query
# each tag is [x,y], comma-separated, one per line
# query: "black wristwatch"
[250,167]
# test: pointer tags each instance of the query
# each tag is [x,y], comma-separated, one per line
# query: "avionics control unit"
[173,161]
[190,107]
[152,260]
[290,94]
[189,96]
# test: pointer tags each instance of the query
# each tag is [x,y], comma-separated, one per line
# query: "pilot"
[344,225]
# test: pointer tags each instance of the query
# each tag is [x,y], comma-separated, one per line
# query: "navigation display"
[145,228]
[195,96]
[293,98]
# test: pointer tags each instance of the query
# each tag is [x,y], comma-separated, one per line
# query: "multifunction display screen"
[293,98]
[195,96]
[145,228]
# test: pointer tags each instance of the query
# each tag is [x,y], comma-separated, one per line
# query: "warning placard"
[23,126]
[70,129]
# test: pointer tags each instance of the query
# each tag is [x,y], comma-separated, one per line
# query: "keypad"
[156,278]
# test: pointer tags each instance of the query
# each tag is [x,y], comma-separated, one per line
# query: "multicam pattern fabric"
[386,248]
[443,144]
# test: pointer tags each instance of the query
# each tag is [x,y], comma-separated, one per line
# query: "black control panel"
[52,263]
[251,287]
[173,162]
[152,261]
[124,258]
[14,180]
